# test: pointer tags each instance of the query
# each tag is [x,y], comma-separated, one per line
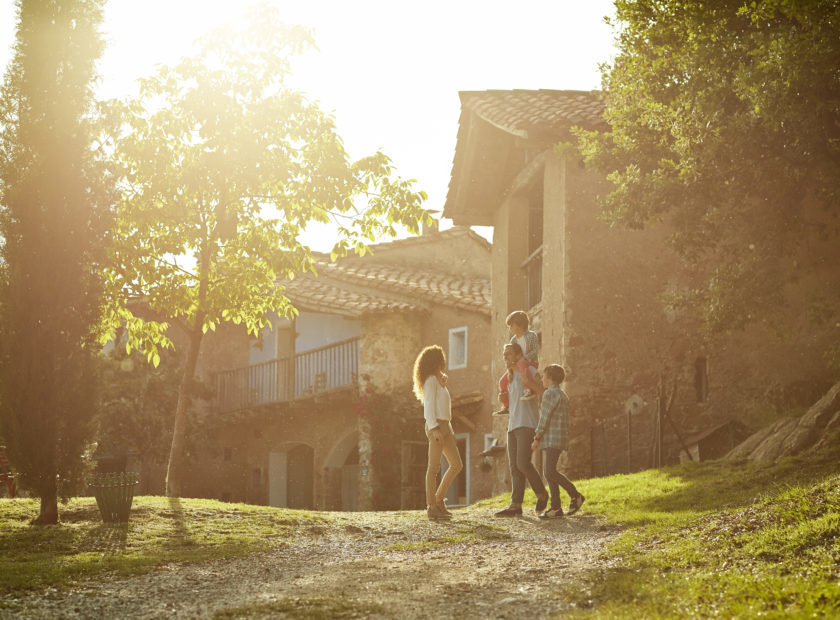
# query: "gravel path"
[378,565]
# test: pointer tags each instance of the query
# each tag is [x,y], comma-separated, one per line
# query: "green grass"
[721,539]
[159,531]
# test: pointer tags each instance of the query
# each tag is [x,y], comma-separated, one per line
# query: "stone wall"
[235,464]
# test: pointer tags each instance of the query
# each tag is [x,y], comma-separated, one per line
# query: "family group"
[538,411]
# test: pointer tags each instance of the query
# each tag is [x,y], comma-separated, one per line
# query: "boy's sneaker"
[576,503]
[528,395]
[552,513]
[542,502]
[502,411]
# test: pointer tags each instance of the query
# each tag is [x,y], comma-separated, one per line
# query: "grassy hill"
[722,538]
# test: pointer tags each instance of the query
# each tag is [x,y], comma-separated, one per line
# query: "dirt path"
[380,565]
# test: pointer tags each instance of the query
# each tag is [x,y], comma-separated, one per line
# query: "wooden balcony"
[312,372]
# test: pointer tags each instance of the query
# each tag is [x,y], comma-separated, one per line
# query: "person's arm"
[545,411]
[532,345]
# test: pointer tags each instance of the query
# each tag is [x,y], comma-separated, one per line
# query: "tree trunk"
[49,509]
[176,451]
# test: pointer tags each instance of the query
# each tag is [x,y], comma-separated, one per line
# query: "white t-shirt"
[437,404]
[522,412]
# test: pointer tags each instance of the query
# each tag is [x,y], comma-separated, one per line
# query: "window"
[458,347]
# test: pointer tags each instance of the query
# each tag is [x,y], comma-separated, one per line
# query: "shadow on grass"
[713,485]
[179,521]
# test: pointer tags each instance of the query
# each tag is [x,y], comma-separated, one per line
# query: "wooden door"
[299,478]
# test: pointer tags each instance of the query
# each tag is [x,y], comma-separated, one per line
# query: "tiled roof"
[425,286]
[353,286]
[480,174]
[320,294]
[520,111]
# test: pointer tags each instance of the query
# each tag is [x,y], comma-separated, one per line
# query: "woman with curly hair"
[430,389]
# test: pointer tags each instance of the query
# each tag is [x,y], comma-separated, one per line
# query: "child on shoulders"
[529,342]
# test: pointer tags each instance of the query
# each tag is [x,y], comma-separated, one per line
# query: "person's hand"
[443,378]
[535,445]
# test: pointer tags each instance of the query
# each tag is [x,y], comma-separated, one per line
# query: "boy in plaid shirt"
[552,435]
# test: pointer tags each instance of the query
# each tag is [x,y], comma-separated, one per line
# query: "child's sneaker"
[502,411]
[552,513]
[576,503]
[528,395]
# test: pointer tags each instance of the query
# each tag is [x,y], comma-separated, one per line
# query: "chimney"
[426,228]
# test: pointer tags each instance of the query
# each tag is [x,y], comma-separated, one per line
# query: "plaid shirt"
[531,351]
[554,419]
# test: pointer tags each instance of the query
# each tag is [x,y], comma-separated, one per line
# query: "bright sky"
[390,70]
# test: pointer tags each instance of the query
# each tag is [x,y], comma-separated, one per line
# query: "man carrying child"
[529,343]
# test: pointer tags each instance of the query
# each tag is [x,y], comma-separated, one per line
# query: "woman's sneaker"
[435,514]
[552,513]
[576,503]
[441,505]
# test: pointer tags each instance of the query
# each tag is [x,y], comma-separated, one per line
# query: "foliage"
[138,403]
[223,165]
[725,121]
[54,209]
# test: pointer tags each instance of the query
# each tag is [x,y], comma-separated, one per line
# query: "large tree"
[725,121]
[53,208]
[224,165]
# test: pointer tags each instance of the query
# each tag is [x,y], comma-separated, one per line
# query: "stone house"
[318,412]
[638,374]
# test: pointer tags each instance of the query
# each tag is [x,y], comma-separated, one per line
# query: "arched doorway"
[341,471]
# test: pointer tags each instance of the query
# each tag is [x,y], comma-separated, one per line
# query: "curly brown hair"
[427,363]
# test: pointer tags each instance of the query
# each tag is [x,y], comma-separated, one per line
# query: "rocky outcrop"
[792,435]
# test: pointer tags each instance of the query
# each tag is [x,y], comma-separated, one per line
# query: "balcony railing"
[282,380]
